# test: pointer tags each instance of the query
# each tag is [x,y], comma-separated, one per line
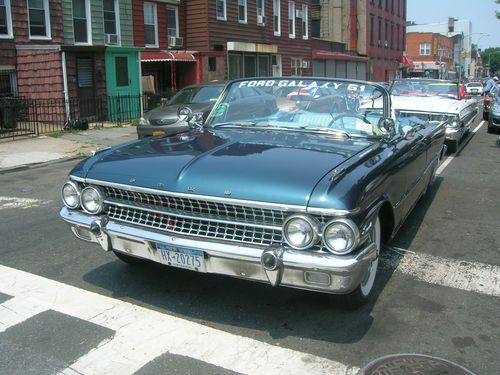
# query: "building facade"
[30,38]
[460,31]
[160,30]
[431,54]
[372,31]
[248,38]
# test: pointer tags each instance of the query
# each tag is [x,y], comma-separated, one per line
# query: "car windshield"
[474,85]
[340,107]
[427,88]
[204,94]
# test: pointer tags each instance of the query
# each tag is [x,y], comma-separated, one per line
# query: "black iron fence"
[23,116]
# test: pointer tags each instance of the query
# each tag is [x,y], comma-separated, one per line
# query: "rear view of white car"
[474,88]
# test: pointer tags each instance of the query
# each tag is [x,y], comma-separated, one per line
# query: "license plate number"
[174,256]
[158,132]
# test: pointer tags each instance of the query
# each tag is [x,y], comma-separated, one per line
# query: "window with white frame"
[5,19]
[277,17]
[242,11]
[39,18]
[221,9]
[425,48]
[291,19]
[260,11]
[173,22]
[150,25]
[296,65]
[111,16]
[305,21]
[81,21]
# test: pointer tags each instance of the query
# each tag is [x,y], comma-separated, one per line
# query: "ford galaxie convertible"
[271,188]
[433,99]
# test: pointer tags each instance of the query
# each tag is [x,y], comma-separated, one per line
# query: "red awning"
[407,62]
[166,56]
[337,56]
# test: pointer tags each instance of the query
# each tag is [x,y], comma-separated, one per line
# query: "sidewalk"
[26,152]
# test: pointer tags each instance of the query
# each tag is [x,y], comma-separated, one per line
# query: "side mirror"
[387,126]
[194,120]
[184,114]
[408,132]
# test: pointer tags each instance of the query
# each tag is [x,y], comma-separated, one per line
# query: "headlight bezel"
[144,121]
[101,196]
[78,191]
[453,121]
[346,223]
[313,224]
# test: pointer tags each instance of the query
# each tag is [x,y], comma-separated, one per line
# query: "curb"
[38,165]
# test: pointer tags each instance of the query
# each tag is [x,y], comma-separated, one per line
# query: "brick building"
[30,38]
[432,54]
[372,32]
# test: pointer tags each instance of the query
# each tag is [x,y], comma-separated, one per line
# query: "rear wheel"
[361,294]
[485,116]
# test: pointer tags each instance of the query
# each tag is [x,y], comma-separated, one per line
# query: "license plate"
[474,91]
[174,256]
[158,132]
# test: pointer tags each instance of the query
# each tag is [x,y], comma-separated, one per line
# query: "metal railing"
[23,116]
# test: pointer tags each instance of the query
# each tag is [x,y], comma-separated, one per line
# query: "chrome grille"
[196,227]
[201,208]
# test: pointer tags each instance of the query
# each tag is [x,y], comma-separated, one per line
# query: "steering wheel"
[346,115]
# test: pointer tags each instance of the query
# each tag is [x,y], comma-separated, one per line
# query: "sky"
[480,12]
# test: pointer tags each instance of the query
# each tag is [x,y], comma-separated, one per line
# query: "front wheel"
[485,116]
[361,294]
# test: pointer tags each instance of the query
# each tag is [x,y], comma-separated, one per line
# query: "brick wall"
[39,74]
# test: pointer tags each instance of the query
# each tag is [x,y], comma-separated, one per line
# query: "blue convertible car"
[276,186]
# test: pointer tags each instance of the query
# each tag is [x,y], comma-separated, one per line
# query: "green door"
[122,84]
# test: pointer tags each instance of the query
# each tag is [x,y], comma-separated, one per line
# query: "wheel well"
[386,221]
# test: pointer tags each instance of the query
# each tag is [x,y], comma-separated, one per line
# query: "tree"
[497,13]
[491,56]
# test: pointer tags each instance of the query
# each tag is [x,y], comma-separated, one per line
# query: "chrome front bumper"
[276,265]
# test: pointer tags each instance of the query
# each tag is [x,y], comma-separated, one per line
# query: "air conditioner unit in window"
[111,38]
[298,13]
[305,64]
[261,20]
[174,41]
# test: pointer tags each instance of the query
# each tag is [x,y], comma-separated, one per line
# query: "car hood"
[427,104]
[168,113]
[261,165]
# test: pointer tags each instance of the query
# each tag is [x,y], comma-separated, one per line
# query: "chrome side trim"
[242,202]
[76,178]
[331,211]
[249,203]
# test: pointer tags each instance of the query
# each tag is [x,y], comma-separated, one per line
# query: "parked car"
[487,103]
[268,191]
[494,114]
[432,99]
[474,88]
[163,120]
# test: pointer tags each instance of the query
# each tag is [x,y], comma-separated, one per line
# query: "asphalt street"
[438,292]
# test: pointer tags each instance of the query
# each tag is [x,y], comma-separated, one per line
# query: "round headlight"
[341,237]
[71,194]
[92,200]
[300,231]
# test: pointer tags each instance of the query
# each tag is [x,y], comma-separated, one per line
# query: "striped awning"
[166,56]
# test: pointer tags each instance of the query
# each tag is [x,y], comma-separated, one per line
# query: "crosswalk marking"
[143,334]
[17,310]
[15,202]
[470,276]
